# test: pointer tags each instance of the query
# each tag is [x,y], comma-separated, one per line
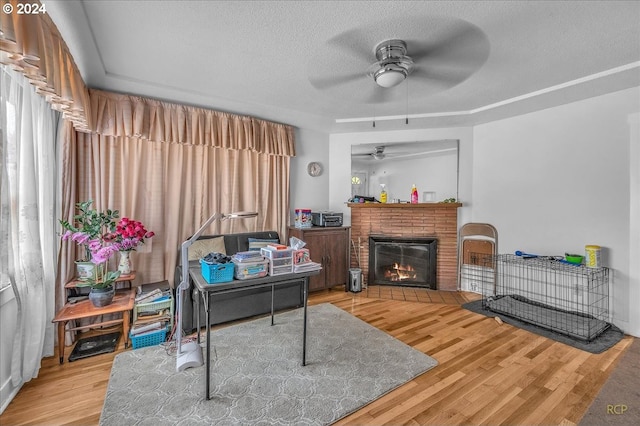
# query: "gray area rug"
[604,341]
[257,377]
[618,402]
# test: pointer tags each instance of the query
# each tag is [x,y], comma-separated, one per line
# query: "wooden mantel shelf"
[405,205]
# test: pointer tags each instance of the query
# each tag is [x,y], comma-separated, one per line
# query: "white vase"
[124,265]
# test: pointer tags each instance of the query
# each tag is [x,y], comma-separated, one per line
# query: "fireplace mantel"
[405,205]
[439,220]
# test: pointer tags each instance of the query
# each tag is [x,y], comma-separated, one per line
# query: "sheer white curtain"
[28,231]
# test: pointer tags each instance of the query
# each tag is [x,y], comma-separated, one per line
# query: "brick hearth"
[439,220]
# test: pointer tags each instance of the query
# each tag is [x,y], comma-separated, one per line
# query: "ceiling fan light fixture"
[393,65]
[390,76]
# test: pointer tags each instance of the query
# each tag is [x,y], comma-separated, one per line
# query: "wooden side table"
[123,302]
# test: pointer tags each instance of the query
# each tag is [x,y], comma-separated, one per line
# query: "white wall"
[555,180]
[634,226]
[308,192]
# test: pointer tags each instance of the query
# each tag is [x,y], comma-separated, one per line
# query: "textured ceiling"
[305,63]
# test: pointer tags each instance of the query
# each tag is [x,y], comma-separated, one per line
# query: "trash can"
[355,280]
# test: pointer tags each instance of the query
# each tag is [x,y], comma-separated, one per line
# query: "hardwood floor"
[488,373]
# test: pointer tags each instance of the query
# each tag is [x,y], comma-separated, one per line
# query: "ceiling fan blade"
[441,77]
[355,44]
[322,83]
[463,46]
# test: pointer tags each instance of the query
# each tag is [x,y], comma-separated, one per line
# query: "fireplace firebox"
[403,261]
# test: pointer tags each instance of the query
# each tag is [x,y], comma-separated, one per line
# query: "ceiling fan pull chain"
[406,119]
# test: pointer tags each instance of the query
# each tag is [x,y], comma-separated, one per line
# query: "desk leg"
[61,335]
[304,327]
[126,324]
[197,304]
[208,361]
[272,291]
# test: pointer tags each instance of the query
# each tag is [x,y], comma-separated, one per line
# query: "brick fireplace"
[436,220]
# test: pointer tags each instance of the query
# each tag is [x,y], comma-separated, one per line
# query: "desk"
[205,289]
[122,302]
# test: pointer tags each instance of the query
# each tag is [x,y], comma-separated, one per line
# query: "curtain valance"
[132,116]
[31,44]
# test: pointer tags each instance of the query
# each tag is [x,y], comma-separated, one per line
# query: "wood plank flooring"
[488,373]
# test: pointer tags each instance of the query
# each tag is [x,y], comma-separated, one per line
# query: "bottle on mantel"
[414,194]
[383,193]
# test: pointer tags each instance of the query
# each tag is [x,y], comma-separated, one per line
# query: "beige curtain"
[31,44]
[172,166]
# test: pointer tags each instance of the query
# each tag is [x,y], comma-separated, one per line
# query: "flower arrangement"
[129,234]
[102,238]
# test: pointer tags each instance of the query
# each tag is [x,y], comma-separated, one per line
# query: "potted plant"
[102,284]
[88,225]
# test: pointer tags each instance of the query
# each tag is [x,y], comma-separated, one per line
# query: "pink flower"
[103,254]
[94,245]
[66,235]
[129,234]
[80,237]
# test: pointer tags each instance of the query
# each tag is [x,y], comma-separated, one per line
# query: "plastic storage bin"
[252,269]
[148,339]
[281,266]
[217,272]
[276,254]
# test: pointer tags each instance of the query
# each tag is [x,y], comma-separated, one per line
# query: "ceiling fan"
[379,153]
[432,53]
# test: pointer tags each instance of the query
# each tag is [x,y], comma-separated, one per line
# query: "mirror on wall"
[431,165]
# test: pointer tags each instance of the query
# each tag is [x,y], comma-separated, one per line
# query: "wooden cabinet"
[330,247]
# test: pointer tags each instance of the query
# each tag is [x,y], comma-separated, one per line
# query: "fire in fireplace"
[402,261]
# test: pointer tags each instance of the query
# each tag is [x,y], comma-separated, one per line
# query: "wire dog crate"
[569,299]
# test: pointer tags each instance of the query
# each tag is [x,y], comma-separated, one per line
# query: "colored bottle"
[383,193]
[414,194]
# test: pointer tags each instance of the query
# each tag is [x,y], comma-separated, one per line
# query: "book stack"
[152,312]
[155,295]
[307,266]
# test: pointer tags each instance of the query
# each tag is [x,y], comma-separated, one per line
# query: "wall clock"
[314,169]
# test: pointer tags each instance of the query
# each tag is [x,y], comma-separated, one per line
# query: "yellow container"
[592,256]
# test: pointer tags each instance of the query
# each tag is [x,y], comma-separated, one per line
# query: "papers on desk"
[307,266]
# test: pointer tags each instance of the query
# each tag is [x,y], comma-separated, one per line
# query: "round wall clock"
[314,169]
